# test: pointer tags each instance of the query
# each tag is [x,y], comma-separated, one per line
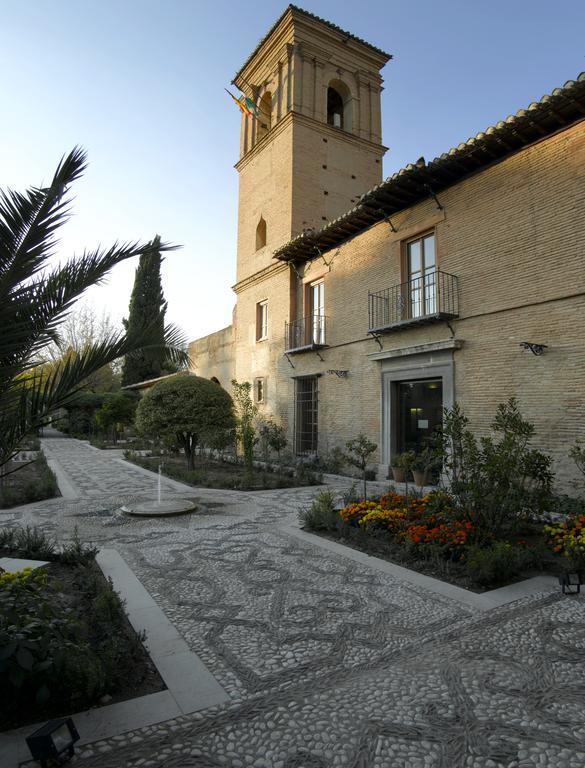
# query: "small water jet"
[159,508]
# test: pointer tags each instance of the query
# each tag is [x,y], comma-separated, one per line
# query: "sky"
[140,85]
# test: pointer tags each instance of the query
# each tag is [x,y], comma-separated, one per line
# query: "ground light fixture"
[53,741]
[571,583]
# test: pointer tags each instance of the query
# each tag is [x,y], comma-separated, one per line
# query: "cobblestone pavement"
[327,662]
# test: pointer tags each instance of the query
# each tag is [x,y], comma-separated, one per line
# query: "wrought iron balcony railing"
[433,296]
[305,334]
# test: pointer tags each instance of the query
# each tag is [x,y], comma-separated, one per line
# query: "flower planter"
[421,477]
[398,474]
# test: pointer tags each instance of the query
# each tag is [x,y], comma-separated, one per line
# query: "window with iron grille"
[306,415]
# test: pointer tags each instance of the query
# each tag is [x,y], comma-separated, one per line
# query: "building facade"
[369,306]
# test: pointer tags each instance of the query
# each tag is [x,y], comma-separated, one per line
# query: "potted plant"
[422,466]
[401,465]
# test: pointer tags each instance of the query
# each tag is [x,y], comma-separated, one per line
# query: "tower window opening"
[264,119]
[261,234]
[334,108]
[339,106]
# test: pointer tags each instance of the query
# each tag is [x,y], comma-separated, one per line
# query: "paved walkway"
[327,662]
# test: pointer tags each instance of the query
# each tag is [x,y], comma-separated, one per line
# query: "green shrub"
[499,563]
[77,553]
[306,475]
[32,542]
[498,481]
[321,515]
[49,652]
[43,486]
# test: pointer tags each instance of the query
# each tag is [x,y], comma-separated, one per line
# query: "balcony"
[305,335]
[424,299]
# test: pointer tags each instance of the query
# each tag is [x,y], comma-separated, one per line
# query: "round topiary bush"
[190,410]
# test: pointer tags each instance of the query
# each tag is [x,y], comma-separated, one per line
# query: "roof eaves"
[495,143]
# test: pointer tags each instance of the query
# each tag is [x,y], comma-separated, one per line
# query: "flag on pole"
[245,105]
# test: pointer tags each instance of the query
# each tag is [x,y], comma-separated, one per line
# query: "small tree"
[147,303]
[117,411]
[187,409]
[358,453]
[273,438]
[246,413]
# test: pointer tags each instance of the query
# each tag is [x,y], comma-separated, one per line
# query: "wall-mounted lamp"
[536,349]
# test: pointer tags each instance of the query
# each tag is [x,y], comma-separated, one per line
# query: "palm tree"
[36,297]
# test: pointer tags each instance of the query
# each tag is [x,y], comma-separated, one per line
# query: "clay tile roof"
[408,186]
[309,15]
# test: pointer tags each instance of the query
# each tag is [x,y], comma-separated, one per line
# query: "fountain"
[159,508]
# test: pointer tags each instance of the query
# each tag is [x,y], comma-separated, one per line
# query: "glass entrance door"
[419,406]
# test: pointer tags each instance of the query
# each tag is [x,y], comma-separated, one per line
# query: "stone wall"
[213,356]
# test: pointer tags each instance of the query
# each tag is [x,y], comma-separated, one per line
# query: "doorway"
[419,411]
[306,415]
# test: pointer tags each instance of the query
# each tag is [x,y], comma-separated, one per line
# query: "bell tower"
[315,145]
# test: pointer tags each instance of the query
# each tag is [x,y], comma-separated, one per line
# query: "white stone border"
[190,685]
[484,601]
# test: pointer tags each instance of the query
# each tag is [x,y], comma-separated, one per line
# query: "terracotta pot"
[421,477]
[398,474]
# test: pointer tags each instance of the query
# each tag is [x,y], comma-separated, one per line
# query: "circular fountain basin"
[162,509]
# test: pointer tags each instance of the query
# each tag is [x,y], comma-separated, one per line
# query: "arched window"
[264,119]
[339,105]
[334,108]
[261,234]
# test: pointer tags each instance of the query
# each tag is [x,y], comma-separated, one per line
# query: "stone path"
[327,662]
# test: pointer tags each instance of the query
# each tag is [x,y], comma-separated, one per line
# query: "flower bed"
[429,534]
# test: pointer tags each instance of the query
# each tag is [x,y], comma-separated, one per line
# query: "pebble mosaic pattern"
[327,663]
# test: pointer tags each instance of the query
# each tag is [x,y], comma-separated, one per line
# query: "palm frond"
[33,303]
[28,223]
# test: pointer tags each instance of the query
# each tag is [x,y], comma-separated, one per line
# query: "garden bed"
[210,473]
[65,642]
[424,534]
[26,483]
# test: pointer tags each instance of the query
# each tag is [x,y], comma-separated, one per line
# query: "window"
[261,234]
[306,415]
[339,109]
[261,320]
[334,108]
[259,390]
[421,266]
[264,119]
[316,312]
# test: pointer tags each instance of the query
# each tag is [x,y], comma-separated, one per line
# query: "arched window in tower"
[261,234]
[264,119]
[339,105]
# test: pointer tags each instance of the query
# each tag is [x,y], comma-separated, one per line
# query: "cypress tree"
[147,305]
